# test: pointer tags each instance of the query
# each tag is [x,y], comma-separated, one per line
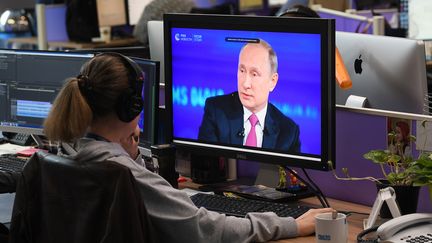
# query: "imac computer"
[111,12]
[387,73]
[29,83]
[156,44]
[202,68]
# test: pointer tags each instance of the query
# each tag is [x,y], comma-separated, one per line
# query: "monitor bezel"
[324,27]
[152,102]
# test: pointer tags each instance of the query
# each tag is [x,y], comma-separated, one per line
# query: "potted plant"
[400,171]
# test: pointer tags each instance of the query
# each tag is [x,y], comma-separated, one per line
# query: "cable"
[316,187]
[324,203]
[365,232]
[349,213]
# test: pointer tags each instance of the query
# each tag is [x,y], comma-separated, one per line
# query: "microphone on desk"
[241,133]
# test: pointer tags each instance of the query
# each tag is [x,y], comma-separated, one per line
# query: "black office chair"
[62,200]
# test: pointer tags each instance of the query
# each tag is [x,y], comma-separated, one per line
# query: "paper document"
[191,192]
[9,148]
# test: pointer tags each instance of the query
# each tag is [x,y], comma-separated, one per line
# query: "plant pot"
[406,198]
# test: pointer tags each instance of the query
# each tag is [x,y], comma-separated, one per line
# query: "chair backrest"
[62,200]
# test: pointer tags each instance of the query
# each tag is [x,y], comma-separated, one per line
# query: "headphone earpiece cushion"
[129,106]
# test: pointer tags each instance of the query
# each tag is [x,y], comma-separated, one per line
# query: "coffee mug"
[329,229]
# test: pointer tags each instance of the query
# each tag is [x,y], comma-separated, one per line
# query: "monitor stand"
[264,187]
[38,140]
[356,101]
[268,175]
[208,169]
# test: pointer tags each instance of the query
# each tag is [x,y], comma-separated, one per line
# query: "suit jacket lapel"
[236,120]
[271,130]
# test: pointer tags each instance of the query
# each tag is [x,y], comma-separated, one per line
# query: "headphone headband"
[130,103]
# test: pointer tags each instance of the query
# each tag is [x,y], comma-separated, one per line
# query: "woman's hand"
[130,143]
[306,222]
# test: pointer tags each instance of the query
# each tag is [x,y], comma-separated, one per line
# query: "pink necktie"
[251,139]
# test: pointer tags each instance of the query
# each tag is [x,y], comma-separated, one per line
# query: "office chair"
[62,200]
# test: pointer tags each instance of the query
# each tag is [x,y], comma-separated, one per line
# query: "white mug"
[331,230]
[105,33]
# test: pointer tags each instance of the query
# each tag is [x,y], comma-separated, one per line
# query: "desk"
[355,221]
[76,45]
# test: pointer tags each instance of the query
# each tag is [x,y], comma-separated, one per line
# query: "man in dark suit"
[246,117]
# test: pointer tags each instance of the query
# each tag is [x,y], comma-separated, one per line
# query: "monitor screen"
[389,71]
[135,9]
[55,20]
[29,83]
[150,94]
[214,81]
[111,12]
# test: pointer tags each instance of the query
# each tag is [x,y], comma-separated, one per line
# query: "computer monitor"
[250,5]
[29,83]
[130,51]
[391,15]
[201,62]
[148,122]
[135,9]
[111,12]
[389,71]
[55,20]
[156,44]
[347,22]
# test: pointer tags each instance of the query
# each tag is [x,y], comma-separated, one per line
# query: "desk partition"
[359,130]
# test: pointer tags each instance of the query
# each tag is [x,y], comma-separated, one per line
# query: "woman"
[87,118]
[400,143]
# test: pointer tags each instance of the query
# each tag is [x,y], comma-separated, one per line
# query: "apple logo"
[358,65]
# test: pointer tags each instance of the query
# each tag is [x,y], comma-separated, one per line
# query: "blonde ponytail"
[70,115]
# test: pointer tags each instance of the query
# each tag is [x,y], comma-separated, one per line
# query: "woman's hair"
[405,130]
[89,96]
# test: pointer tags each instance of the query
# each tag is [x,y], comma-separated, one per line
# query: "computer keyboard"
[239,207]
[11,163]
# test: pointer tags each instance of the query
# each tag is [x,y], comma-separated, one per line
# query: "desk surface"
[355,221]
[76,45]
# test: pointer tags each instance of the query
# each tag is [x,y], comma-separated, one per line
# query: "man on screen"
[246,117]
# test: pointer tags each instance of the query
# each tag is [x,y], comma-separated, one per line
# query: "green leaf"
[377,156]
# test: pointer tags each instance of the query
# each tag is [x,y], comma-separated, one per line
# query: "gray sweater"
[173,214]
[155,10]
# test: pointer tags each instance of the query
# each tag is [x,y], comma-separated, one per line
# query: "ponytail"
[70,115]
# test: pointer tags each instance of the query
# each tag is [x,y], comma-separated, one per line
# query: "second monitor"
[389,71]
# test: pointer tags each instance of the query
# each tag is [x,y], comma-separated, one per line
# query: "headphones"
[129,104]
[300,11]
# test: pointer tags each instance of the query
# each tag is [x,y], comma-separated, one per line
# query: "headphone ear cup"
[128,106]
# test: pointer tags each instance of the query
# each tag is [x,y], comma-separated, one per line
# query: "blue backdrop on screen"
[204,64]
